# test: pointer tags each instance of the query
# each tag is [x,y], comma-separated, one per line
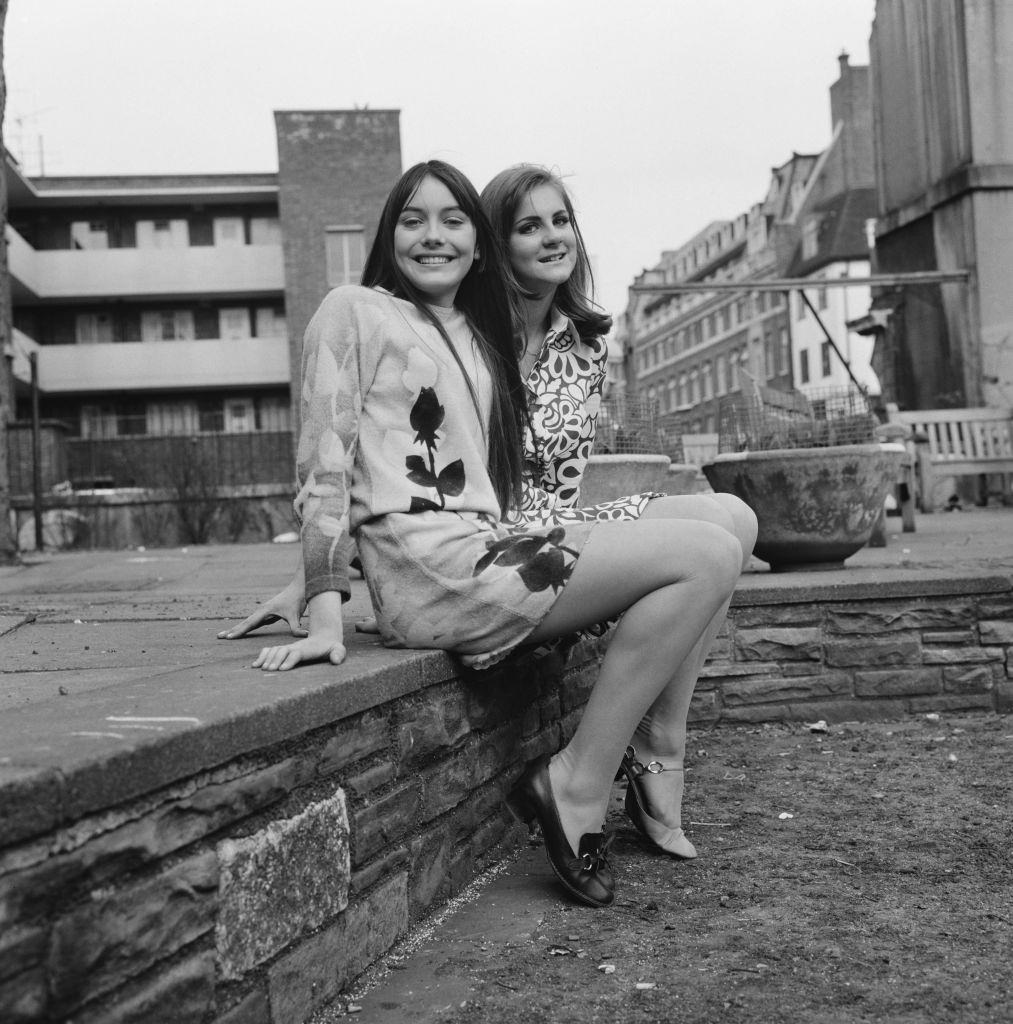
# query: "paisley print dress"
[564,391]
[393,457]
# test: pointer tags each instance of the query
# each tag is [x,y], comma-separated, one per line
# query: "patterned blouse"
[564,395]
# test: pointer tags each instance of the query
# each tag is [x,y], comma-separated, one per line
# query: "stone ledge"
[62,760]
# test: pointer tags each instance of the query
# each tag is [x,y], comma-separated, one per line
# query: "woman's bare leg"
[661,733]
[669,578]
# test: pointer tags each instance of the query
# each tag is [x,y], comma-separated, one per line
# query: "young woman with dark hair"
[399,395]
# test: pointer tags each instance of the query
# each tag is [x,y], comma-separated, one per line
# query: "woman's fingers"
[286,656]
[261,617]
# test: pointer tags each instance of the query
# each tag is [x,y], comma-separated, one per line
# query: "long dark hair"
[486,296]
[501,198]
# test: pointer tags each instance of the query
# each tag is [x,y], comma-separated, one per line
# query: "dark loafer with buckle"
[587,877]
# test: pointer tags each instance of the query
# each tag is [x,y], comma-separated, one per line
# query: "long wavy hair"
[488,299]
[501,199]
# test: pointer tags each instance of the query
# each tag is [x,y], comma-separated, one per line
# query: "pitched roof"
[841,233]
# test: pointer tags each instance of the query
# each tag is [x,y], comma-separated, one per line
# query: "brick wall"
[335,168]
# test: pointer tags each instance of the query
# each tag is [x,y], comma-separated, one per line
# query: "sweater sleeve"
[331,407]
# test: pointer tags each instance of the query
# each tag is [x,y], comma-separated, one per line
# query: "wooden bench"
[958,442]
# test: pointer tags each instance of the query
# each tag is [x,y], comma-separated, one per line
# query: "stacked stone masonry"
[255,891]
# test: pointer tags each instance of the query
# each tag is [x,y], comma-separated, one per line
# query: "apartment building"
[174,305]
[688,347]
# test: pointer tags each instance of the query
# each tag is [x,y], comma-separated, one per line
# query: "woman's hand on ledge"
[324,642]
[289,605]
[319,647]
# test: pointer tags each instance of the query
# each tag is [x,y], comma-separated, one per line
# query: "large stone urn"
[815,506]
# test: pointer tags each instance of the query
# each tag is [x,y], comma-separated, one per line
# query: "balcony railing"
[141,273]
[148,365]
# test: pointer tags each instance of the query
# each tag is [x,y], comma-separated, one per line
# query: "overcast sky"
[663,115]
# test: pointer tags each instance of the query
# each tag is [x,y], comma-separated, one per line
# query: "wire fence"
[628,425]
[762,419]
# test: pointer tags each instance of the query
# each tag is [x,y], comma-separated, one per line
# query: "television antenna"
[24,127]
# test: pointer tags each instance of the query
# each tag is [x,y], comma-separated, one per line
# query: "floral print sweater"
[382,395]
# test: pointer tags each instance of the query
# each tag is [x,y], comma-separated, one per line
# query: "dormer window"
[810,238]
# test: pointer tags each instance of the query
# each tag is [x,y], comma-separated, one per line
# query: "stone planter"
[608,477]
[815,506]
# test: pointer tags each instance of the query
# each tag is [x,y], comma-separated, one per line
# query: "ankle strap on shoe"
[651,768]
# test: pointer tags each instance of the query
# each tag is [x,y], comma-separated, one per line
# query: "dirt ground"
[863,874]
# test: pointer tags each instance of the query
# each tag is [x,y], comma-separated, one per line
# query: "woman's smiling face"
[434,242]
[543,245]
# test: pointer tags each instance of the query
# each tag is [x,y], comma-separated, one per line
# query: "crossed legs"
[671,579]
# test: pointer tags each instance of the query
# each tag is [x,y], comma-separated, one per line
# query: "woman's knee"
[720,557]
[744,524]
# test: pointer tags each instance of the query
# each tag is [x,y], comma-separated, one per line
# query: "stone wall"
[860,651]
[246,871]
[254,891]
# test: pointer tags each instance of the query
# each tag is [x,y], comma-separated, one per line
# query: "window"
[270,322]
[726,317]
[265,231]
[233,323]
[89,234]
[683,389]
[94,328]
[800,311]
[211,415]
[273,414]
[229,231]
[694,385]
[163,234]
[172,418]
[113,419]
[167,325]
[345,254]
[707,381]
[803,366]
[783,352]
[825,359]
[810,238]
[821,298]
[720,375]
[769,364]
[239,416]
